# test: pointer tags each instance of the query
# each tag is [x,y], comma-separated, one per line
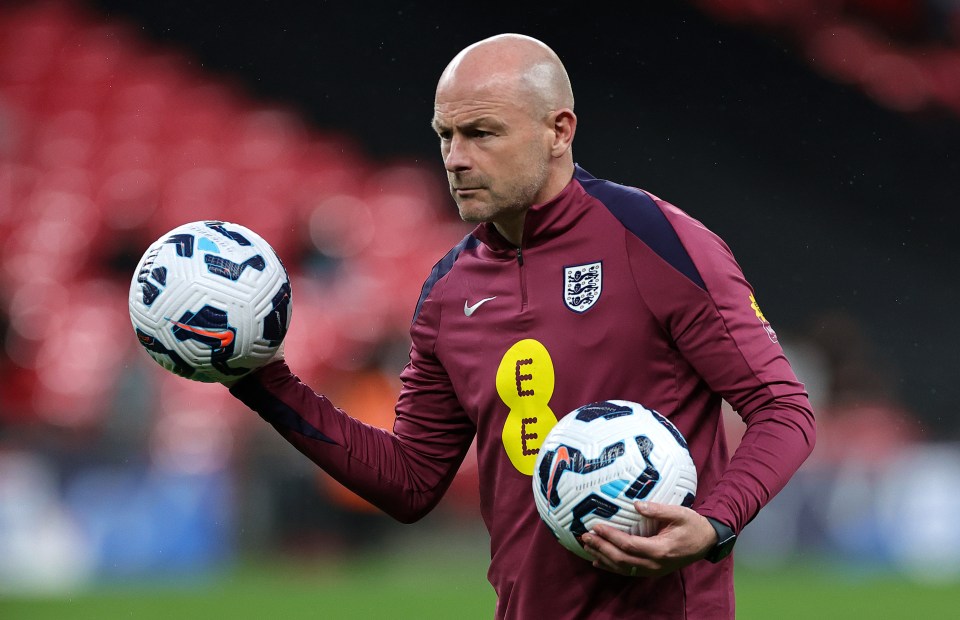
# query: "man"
[504,342]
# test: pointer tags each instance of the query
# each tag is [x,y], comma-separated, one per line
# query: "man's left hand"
[684,536]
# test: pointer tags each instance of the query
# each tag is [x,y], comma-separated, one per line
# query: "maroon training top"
[613,294]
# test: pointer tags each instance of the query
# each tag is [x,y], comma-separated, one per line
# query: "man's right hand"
[277,356]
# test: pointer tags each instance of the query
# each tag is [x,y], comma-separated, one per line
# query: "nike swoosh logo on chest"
[469,310]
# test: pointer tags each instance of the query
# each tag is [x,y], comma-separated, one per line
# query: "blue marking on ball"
[614,488]
[206,245]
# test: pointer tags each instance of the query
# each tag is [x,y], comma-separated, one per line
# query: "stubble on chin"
[473,214]
[488,205]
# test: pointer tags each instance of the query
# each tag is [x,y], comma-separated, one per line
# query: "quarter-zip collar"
[542,222]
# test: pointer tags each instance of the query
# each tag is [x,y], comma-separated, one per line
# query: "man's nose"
[457,157]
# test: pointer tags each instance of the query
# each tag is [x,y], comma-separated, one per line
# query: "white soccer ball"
[210,301]
[601,458]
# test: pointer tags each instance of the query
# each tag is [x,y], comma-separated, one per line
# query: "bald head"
[515,65]
[504,116]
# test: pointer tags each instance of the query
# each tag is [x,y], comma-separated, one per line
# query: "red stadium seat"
[116,141]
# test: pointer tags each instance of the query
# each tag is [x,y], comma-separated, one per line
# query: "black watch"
[726,538]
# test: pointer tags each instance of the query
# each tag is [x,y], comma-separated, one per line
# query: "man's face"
[495,152]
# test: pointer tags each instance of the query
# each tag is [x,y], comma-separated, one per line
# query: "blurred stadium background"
[820,138]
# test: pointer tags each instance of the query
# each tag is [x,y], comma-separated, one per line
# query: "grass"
[432,585]
[422,587]
[832,592]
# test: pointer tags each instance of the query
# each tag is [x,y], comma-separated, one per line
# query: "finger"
[613,535]
[612,557]
[628,544]
[602,548]
[606,565]
[602,560]
[633,568]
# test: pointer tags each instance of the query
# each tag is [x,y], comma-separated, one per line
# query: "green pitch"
[424,586]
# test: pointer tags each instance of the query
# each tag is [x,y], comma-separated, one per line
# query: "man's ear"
[564,125]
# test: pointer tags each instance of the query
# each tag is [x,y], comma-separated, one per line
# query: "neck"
[510,226]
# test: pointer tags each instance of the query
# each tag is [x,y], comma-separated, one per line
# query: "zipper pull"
[520,256]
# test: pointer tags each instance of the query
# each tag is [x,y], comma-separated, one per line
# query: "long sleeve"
[404,473]
[719,330]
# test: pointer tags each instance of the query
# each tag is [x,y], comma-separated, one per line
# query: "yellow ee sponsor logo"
[525,381]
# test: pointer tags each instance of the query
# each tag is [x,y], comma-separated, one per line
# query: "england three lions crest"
[582,285]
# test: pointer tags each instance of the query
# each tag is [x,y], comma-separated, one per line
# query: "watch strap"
[726,538]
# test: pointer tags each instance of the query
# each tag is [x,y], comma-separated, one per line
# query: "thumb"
[277,356]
